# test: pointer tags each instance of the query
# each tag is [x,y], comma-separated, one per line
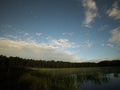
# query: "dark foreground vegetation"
[20,62]
[26,74]
[18,78]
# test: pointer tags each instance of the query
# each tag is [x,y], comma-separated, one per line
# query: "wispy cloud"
[84,44]
[6,26]
[35,50]
[26,34]
[38,34]
[103,27]
[115,10]
[62,43]
[70,34]
[115,38]
[14,37]
[88,43]
[91,11]
[108,45]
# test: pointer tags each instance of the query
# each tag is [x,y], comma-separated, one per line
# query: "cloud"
[108,45]
[11,36]
[35,50]
[114,11]
[6,26]
[88,43]
[38,34]
[62,43]
[26,34]
[70,34]
[85,44]
[91,11]
[103,27]
[115,38]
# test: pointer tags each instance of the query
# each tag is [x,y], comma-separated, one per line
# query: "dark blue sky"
[69,30]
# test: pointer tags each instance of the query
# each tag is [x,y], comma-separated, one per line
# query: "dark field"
[96,78]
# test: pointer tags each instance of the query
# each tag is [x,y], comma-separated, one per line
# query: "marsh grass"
[53,79]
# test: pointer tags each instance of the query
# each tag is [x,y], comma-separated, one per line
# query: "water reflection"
[112,83]
[75,81]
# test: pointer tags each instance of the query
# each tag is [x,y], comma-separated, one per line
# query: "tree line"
[8,62]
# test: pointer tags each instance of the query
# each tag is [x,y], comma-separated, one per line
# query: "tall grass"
[53,79]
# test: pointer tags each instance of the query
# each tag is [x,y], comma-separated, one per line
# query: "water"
[111,83]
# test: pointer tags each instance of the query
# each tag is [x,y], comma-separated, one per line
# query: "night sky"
[60,30]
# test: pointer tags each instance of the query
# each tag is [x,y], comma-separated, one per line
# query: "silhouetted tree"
[8,62]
